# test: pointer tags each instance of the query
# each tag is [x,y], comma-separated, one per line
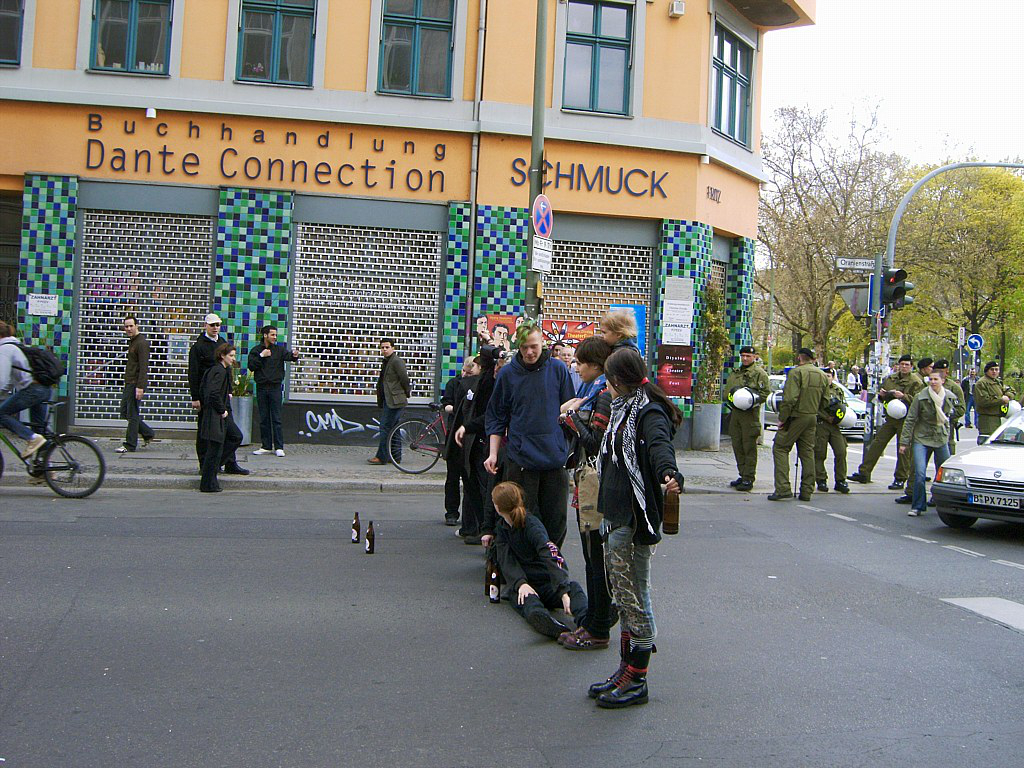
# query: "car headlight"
[952,476]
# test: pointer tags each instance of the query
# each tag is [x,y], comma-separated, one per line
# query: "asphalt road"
[167,629]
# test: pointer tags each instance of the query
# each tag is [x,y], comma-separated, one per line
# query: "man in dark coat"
[217,430]
[266,361]
[136,379]
[393,390]
[201,359]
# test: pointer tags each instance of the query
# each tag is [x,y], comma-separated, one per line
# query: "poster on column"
[570,332]
[501,327]
[639,312]
[677,311]
[675,369]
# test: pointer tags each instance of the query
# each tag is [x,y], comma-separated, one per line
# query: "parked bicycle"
[71,465]
[415,444]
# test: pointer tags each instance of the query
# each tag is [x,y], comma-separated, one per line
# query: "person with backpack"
[25,386]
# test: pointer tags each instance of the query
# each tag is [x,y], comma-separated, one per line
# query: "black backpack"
[46,368]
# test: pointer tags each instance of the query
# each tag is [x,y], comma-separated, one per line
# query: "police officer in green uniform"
[991,397]
[805,391]
[902,384]
[959,407]
[745,425]
[827,433]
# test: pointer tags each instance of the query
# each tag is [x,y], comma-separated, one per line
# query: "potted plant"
[241,403]
[707,392]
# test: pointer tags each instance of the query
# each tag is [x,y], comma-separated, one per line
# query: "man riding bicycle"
[20,391]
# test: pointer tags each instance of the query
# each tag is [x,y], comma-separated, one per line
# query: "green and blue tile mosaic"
[739,296]
[454,319]
[499,279]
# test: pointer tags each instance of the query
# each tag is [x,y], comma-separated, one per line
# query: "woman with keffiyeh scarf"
[636,458]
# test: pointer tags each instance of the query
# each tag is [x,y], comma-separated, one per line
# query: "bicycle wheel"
[73,466]
[414,446]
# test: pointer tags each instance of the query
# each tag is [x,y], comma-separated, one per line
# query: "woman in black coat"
[216,427]
[635,459]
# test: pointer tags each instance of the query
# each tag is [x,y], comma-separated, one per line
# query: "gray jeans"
[628,566]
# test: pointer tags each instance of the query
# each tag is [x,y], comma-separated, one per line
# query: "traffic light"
[895,289]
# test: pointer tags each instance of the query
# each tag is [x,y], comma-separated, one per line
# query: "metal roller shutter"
[156,267]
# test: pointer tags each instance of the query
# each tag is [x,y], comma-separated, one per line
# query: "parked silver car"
[986,481]
[853,403]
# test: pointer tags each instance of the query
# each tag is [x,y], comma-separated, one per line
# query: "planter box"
[706,428]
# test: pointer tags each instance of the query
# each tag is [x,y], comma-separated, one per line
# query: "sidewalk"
[169,464]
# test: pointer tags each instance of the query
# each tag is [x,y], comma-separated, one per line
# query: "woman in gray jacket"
[926,433]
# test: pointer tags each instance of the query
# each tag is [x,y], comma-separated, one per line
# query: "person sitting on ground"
[532,567]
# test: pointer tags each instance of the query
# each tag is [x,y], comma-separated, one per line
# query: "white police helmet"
[849,420]
[896,409]
[1012,408]
[743,399]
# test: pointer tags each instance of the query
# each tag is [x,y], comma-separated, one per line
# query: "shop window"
[730,86]
[11,12]
[416,47]
[598,57]
[131,36]
[276,41]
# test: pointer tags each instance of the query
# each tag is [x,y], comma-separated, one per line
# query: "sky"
[947,75]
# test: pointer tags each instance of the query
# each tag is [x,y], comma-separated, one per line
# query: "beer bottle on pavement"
[369,538]
[493,581]
[670,523]
[355,528]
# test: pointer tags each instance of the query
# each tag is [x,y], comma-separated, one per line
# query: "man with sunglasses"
[201,358]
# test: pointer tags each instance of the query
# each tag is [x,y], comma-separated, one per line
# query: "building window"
[598,57]
[10,31]
[131,35]
[416,47]
[276,41]
[730,86]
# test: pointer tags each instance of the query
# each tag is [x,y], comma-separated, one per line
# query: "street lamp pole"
[540,68]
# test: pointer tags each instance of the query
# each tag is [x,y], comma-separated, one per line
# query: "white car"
[986,481]
[853,403]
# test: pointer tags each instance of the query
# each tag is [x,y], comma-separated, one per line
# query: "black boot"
[609,685]
[632,685]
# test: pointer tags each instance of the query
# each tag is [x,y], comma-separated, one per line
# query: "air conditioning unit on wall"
[676,9]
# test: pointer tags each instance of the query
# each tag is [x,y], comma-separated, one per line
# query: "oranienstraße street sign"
[856,265]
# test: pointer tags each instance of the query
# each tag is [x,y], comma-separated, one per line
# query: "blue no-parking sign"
[975,342]
[543,217]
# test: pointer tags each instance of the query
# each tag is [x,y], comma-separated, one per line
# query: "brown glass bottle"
[355,528]
[670,523]
[493,581]
[369,538]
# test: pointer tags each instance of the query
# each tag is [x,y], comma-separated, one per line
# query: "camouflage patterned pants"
[628,566]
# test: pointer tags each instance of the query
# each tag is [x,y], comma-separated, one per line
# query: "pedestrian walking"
[217,429]
[588,417]
[636,459]
[19,391]
[903,384]
[959,403]
[136,380]
[991,397]
[853,380]
[967,385]
[745,423]
[828,434]
[201,358]
[525,406]
[802,397]
[393,391]
[266,361]
[926,433]
[533,568]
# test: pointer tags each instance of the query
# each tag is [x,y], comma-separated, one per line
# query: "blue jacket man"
[528,395]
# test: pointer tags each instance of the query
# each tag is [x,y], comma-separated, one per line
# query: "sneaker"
[743,485]
[823,487]
[279,453]
[261,452]
[896,485]
[376,462]
[914,513]
[33,445]
[124,449]
[842,488]
[906,498]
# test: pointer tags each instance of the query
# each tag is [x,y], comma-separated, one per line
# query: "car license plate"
[1006,502]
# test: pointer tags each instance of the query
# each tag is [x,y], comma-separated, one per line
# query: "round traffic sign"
[975,342]
[543,217]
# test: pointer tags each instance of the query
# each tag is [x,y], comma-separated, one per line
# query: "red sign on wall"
[675,370]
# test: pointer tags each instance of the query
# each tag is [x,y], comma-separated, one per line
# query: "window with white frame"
[598,56]
[731,94]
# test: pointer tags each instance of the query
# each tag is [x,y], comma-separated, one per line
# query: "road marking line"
[1009,563]
[963,551]
[813,509]
[842,517]
[875,527]
[918,538]
[998,609]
